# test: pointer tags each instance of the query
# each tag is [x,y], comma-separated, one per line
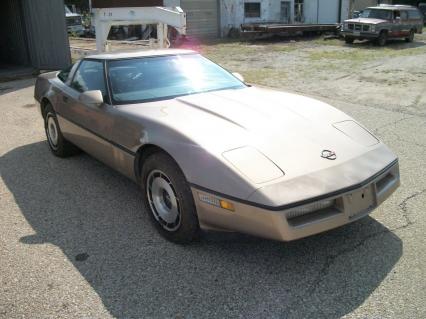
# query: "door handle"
[65,98]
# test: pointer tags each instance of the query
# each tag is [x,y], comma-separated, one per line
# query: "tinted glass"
[164,77]
[404,15]
[377,14]
[63,75]
[90,76]
[414,14]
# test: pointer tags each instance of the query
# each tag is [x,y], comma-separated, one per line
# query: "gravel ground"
[74,242]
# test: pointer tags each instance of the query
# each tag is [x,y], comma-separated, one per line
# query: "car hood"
[290,130]
[366,21]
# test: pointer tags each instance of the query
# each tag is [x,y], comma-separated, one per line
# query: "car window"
[165,77]
[90,76]
[63,75]
[404,15]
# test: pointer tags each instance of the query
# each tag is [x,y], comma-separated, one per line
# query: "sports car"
[211,152]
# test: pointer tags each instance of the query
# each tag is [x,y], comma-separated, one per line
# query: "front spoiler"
[284,225]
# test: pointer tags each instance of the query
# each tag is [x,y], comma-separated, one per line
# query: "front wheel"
[382,39]
[410,37]
[168,199]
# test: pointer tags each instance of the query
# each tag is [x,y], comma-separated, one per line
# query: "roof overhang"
[126,3]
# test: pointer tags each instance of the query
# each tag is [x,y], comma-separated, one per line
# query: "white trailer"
[163,17]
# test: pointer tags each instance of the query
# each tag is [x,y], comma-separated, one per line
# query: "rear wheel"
[349,40]
[57,143]
[168,199]
[382,39]
[410,37]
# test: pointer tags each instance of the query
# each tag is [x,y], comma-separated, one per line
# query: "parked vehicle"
[74,22]
[384,22]
[210,151]
[422,8]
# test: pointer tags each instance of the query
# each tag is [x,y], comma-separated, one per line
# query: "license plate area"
[360,202]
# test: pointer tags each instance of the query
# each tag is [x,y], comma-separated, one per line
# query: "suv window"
[414,14]
[404,15]
[90,76]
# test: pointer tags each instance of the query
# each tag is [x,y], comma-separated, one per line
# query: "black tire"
[174,214]
[410,38]
[58,144]
[382,39]
[349,40]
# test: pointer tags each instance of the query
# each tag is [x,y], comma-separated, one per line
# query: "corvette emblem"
[330,155]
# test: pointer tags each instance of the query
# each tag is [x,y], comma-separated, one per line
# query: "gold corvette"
[212,152]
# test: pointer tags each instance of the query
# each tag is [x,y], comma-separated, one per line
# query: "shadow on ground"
[394,44]
[8,85]
[94,215]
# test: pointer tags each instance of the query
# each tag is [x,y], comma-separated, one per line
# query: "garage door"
[328,11]
[201,17]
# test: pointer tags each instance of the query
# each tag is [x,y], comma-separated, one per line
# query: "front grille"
[384,182]
[310,213]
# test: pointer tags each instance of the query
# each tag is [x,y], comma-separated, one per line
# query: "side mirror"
[238,76]
[91,97]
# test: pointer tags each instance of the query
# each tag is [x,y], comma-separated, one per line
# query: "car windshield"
[377,14]
[165,77]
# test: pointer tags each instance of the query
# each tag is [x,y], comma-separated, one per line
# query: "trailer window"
[252,9]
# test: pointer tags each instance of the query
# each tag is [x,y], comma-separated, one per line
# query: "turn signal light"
[216,202]
[227,205]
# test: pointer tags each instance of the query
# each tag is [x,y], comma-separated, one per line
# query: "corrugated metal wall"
[13,47]
[202,17]
[46,33]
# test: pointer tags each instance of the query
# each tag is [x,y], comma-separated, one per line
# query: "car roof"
[393,7]
[116,55]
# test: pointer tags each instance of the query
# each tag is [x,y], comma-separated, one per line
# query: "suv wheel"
[410,37]
[382,39]
[349,40]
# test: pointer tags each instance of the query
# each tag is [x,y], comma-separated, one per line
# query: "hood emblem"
[330,155]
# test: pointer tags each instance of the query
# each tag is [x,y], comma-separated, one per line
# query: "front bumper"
[297,221]
[360,35]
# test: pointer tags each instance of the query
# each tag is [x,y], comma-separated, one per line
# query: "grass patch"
[283,48]
[364,53]
[263,75]
[330,42]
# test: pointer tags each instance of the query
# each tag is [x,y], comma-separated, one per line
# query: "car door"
[87,126]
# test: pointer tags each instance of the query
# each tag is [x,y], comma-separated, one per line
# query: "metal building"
[33,34]
[202,17]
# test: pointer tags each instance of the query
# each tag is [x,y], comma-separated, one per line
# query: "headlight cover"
[253,164]
[356,132]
